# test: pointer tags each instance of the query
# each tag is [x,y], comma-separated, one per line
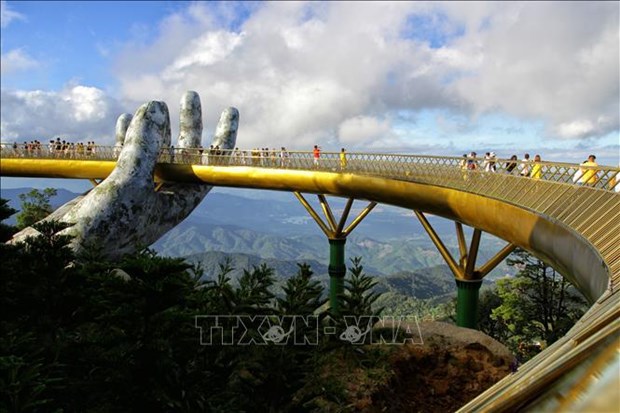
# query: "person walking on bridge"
[536,172]
[343,159]
[316,153]
[283,157]
[525,165]
[589,174]
[472,163]
[510,166]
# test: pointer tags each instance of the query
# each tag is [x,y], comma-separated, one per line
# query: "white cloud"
[16,60]
[363,129]
[339,73]
[77,112]
[558,62]
[7,15]
[575,128]
[298,72]
[88,103]
[208,49]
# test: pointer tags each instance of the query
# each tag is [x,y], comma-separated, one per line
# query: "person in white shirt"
[525,165]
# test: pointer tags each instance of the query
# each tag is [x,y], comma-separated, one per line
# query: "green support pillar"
[467,303]
[337,235]
[337,270]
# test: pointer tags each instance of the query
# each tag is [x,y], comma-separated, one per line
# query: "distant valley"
[252,227]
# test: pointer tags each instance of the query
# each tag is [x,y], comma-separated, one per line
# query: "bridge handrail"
[394,165]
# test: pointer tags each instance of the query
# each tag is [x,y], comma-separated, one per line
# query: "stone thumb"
[149,128]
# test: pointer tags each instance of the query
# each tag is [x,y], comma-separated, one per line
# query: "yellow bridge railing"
[466,173]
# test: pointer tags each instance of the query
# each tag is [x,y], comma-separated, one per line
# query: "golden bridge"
[571,223]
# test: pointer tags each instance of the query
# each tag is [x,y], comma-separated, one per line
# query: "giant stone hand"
[125,212]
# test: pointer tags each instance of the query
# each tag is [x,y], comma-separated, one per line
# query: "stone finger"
[122,123]
[226,132]
[190,124]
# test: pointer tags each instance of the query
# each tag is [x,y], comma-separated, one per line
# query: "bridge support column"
[467,303]
[337,236]
[468,278]
[337,271]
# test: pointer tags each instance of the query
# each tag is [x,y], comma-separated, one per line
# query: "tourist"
[525,165]
[343,159]
[471,161]
[536,172]
[589,174]
[510,166]
[316,154]
[57,147]
[80,150]
[237,156]
[463,163]
[284,157]
[489,160]
[486,162]
[198,154]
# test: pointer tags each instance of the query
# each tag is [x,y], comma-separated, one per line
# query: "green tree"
[537,305]
[36,305]
[359,295]
[6,231]
[78,333]
[35,205]
[495,327]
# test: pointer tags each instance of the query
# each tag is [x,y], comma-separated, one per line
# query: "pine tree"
[538,305]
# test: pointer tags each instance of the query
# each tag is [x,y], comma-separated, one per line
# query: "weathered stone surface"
[122,124]
[190,126]
[124,213]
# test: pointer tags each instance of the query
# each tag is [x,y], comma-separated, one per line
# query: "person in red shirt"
[316,153]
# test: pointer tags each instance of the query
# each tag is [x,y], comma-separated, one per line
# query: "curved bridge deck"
[573,227]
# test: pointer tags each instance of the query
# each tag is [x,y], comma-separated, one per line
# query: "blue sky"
[73,41]
[414,77]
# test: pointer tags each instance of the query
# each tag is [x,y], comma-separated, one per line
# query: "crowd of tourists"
[587,174]
[527,167]
[489,163]
[56,148]
[214,155]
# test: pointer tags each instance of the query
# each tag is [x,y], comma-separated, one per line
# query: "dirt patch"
[450,368]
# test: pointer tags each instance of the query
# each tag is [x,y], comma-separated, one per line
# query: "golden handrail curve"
[573,226]
[398,166]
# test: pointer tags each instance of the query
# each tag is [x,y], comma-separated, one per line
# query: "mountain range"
[250,227]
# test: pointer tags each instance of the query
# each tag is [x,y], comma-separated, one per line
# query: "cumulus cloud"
[7,15]
[299,72]
[557,62]
[296,71]
[77,113]
[358,74]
